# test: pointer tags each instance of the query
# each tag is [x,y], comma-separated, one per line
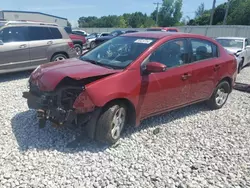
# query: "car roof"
[158,35]
[240,38]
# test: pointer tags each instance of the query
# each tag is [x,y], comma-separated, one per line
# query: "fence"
[210,31]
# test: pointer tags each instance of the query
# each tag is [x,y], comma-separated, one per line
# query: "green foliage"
[68,24]
[238,14]
[170,14]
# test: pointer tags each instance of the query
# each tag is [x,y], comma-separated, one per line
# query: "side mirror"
[1,42]
[155,67]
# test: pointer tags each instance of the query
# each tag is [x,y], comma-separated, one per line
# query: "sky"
[74,9]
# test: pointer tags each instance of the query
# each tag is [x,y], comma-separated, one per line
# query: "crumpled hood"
[232,50]
[48,76]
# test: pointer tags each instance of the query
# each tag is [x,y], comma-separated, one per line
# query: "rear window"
[172,30]
[154,30]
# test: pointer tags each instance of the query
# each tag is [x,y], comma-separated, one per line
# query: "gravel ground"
[190,147]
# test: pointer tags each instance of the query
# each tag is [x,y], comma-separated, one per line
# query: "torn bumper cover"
[57,106]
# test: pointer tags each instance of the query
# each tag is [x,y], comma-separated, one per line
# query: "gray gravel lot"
[194,147]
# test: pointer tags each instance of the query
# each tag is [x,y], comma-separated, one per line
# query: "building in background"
[11,15]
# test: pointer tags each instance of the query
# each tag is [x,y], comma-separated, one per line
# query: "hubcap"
[118,123]
[78,50]
[93,45]
[221,96]
[59,58]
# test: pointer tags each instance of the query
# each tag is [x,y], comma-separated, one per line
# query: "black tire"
[222,86]
[105,124]
[240,65]
[92,45]
[58,57]
[78,49]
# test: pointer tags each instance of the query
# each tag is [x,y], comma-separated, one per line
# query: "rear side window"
[56,34]
[14,34]
[39,33]
[203,49]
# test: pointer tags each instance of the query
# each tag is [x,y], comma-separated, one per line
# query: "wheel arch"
[130,108]
[229,80]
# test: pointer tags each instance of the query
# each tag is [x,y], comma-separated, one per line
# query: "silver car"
[25,45]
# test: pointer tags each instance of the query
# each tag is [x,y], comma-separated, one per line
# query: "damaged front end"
[57,106]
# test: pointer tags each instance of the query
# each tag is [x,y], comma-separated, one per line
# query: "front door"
[205,65]
[14,51]
[170,89]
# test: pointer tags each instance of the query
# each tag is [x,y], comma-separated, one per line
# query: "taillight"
[71,44]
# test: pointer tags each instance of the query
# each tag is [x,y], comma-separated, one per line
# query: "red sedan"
[129,78]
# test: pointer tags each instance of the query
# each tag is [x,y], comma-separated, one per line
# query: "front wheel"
[219,96]
[111,123]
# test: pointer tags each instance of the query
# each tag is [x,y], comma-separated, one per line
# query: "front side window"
[246,43]
[118,52]
[13,34]
[202,49]
[172,53]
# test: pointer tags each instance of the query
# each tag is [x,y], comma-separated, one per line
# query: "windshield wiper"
[97,63]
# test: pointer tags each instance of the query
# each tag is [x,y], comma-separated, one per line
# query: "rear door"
[205,66]
[40,40]
[14,52]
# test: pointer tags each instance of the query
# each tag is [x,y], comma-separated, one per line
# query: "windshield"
[231,43]
[118,52]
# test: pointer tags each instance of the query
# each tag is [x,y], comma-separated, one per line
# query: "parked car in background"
[129,78]
[113,34]
[78,40]
[80,32]
[25,45]
[167,29]
[92,37]
[239,46]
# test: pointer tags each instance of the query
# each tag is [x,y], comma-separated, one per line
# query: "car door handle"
[23,46]
[50,42]
[186,76]
[216,67]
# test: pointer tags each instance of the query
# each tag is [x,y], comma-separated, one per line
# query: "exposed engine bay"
[57,106]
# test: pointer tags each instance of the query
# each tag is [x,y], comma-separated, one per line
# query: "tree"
[200,11]
[68,24]
[170,13]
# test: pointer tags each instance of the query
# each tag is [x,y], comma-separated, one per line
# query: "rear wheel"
[219,96]
[78,49]
[111,123]
[58,57]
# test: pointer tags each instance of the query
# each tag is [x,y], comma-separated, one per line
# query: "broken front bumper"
[55,114]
